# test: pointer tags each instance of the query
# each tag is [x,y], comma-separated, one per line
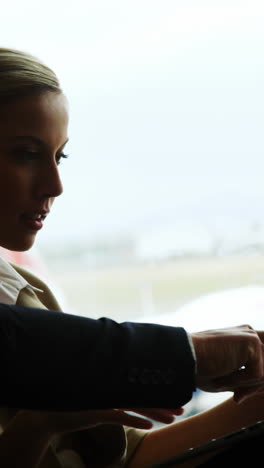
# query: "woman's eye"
[60,157]
[24,156]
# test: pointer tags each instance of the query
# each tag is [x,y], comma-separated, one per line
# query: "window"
[164,194]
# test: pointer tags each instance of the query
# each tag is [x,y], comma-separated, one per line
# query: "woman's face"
[33,132]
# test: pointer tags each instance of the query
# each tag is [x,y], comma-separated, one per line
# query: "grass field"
[127,293]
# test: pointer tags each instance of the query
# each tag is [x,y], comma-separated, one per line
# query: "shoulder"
[46,297]
[30,277]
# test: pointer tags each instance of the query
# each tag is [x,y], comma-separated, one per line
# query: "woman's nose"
[50,185]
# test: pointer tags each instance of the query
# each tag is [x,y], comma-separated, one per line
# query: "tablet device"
[227,441]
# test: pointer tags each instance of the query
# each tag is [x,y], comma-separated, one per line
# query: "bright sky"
[167,109]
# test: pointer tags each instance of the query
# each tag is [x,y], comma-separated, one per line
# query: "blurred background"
[162,216]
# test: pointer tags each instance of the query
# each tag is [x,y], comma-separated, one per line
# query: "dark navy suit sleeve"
[51,360]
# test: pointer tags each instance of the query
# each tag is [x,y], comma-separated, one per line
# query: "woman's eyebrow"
[35,140]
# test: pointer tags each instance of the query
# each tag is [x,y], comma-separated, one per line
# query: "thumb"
[243,377]
[243,393]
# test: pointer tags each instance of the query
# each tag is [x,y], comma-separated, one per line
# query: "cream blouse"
[19,286]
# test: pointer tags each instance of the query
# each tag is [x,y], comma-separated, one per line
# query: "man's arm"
[51,360]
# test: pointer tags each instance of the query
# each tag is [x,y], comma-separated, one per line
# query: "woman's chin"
[19,245]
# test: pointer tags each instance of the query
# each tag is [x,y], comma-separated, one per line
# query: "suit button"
[155,376]
[133,375]
[145,376]
[169,376]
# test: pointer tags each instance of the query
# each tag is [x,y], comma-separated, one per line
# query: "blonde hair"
[22,74]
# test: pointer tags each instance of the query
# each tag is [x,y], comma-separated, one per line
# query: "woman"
[33,134]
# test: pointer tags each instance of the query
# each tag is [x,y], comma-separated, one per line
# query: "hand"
[229,359]
[64,422]
[249,389]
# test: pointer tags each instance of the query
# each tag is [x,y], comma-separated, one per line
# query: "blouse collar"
[11,283]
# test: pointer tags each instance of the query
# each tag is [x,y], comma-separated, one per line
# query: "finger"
[176,411]
[254,367]
[117,416]
[237,379]
[160,415]
[179,411]
[261,335]
[243,393]
[166,416]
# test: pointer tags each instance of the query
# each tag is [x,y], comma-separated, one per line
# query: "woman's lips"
[34,222]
